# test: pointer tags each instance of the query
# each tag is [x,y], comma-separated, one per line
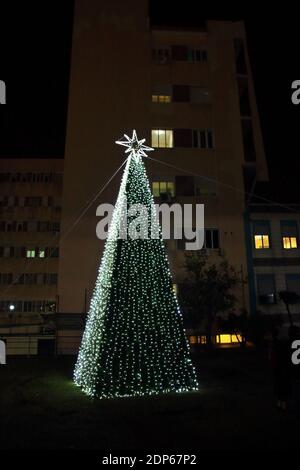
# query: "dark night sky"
[35,42]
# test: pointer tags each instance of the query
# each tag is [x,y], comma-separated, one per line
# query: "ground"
[40,408]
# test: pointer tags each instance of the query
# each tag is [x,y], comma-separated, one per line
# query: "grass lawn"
[40,408]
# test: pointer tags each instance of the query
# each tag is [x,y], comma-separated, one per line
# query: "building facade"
[190,93]
[273,232]
[30,201]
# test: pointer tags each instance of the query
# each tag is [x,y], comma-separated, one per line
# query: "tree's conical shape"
[134,342]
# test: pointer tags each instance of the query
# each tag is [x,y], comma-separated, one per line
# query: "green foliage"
[208,290]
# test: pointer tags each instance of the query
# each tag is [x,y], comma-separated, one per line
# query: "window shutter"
[182,137]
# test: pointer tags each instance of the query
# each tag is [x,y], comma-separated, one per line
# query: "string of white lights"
[134,343]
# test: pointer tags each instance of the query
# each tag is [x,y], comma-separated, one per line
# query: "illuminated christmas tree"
[134,342]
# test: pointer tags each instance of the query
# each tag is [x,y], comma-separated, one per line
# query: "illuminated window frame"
[289,243]
[165,99]
[289,234]
[229,338]
[197,339]
[162,138]
[261,234]
[30,253]
[163,187]
[262,242]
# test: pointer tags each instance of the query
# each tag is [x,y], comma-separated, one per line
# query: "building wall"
[30,194]
[276,260]
[113,76]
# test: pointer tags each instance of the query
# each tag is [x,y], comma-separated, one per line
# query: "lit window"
[162,138]
[289,234]
[161,99]
[262,242]
[228,338]
[41,253]
[197,339]
[261,234]
[163,188]
[30,253]
[289,243]
[175,288]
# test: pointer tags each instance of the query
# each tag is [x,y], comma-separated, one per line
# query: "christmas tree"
[134,342]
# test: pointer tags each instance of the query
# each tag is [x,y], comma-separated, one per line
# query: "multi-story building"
[30,212]
[191,94]
[273,248]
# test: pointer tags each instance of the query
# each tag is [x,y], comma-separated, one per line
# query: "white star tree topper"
[135,147]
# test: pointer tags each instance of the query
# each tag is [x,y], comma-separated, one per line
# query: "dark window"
[181,93]
[43,226]
[210,140]
[212,239]
[179,52]
[266,288]
[240,57]
[6,278]
[56,227]
[203,138]
[245,108]
[249,175]
[182,137]
[197,55]
[204,56]
[160,56]
[52,279]
[53,252]
[184,186]
[199,95]
[293,283]
[27,306]
[248,140]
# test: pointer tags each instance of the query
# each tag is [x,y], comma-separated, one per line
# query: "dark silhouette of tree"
[208,290]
